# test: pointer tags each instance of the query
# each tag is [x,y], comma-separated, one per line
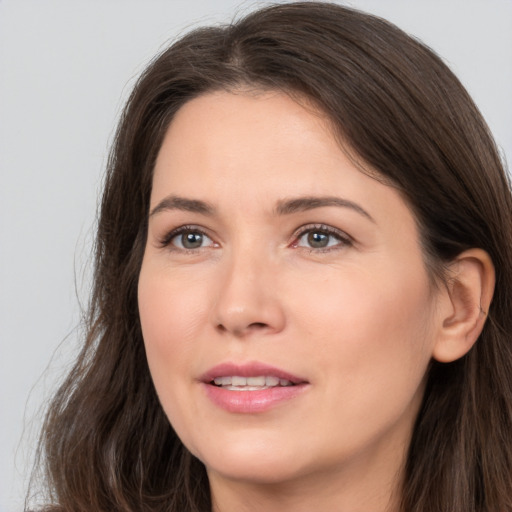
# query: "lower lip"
[252,401]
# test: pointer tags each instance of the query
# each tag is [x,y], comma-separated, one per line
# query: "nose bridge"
[248,298]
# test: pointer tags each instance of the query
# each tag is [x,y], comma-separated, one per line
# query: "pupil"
[192,240]
[318,240]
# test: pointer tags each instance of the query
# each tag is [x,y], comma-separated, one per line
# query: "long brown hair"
[107,445]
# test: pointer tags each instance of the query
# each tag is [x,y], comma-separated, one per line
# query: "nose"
[248,300]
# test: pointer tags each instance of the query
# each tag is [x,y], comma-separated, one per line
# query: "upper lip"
[251,369]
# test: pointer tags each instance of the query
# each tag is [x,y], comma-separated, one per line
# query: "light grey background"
[66,68]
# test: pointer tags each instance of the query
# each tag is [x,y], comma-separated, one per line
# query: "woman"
[301,292]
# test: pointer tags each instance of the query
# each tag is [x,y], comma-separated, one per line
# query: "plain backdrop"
[66,68]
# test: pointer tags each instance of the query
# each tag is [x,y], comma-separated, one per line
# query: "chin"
[253,460]
[262,472]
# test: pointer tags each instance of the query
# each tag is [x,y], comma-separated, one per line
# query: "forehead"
[229,126]
[241,148]
[252,134]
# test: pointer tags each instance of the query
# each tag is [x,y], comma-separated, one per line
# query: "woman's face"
[286,310]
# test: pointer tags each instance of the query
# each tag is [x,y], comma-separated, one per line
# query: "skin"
[358,319]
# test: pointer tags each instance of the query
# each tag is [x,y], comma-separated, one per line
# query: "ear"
[469,292]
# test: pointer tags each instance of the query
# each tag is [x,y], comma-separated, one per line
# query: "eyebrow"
[301,204]
[184,204]
[283,207]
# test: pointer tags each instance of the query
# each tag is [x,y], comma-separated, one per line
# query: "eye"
[187,238]
[321,237]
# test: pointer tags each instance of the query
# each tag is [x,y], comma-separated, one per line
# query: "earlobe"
[469,290]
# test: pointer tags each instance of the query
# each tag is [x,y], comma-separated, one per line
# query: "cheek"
[373,332]
[366,307]
[377,358]
[172,314]
[170,310]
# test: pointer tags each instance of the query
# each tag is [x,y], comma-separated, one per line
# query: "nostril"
[257,325]
[243,330]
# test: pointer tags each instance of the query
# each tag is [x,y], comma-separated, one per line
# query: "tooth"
[222,381]
[271,381]
[238,381]
[255,381]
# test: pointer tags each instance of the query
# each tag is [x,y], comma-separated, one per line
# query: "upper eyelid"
[166,239]
[331,230]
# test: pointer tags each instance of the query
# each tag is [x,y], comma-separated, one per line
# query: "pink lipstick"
[250,388]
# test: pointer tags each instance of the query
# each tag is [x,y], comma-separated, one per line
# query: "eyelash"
[166,241]
[343,239]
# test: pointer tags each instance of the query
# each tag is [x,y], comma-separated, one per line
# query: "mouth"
[246,376]
[251,387]
[258,383]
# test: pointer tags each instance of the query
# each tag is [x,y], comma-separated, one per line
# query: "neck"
[368,487]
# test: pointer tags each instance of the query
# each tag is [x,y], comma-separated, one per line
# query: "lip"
[256,401]
[252,369]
